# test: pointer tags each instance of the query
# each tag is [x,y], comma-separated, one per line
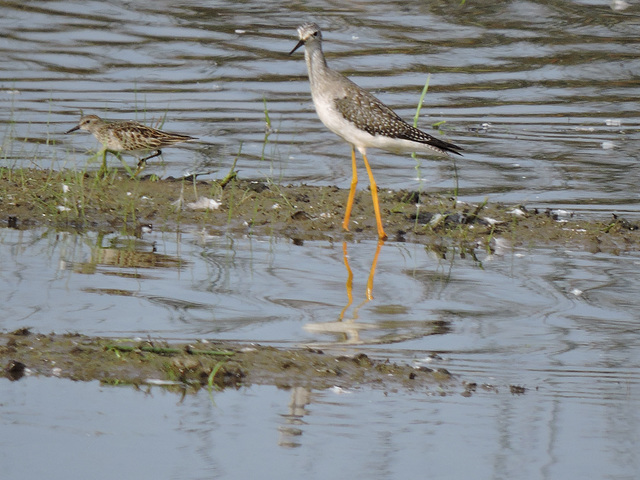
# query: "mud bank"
[189,367]
[82,201]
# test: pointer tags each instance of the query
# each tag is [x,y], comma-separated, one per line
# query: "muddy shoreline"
[191,366]
[70,200]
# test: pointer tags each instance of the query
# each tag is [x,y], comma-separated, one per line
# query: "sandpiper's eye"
[315,34]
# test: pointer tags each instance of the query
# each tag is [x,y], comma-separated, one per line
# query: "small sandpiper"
[128,137]
[359,118]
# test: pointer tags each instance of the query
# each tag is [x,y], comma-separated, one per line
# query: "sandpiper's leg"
[103,167]
[143,162]
[374,196]
[352,192]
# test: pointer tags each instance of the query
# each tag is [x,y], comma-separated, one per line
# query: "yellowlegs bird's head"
[90,123]
[308,32]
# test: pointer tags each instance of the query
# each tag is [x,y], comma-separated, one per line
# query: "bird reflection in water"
[348,330]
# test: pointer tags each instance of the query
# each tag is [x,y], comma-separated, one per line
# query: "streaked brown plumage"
[129,137]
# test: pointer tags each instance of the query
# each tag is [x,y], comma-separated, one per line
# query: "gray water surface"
[559,323]
[542,95]
[86,430]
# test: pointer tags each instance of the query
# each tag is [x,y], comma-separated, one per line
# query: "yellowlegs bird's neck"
[317,67]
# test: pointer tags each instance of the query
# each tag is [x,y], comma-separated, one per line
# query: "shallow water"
[542,95]
[560,323]
[269,433]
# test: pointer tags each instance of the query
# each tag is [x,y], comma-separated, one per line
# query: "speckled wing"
[368,113]
[148,138]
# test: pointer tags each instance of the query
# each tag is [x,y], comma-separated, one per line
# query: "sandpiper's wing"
[150,138]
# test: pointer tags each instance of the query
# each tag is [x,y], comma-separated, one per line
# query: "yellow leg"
[374,196]
[352,192]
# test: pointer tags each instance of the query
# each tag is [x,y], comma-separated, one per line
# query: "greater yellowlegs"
[128,137]
[359,118]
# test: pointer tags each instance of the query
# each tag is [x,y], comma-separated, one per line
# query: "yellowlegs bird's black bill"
[300,43]
[77,127]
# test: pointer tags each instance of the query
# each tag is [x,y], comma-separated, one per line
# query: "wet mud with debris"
[80,201]
[201,364]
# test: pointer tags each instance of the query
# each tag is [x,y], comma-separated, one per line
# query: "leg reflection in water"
[349,329]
